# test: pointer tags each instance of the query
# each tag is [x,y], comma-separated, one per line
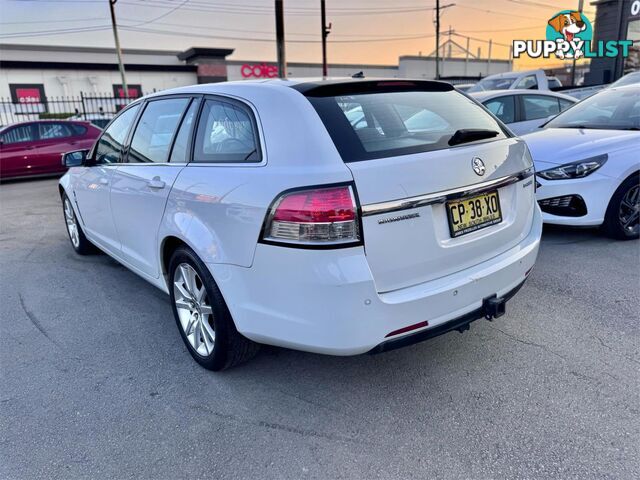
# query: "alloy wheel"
[194,310]
[72,224]
[629,211]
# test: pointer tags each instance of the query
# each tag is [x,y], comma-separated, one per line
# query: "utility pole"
[437,9]
[437,39]
[573,67]
[282,62]
[125,89]
[325,30]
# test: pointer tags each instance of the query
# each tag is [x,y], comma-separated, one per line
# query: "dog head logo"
[569,35]
[571,30]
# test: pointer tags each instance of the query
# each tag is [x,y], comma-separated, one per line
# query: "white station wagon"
[269,217]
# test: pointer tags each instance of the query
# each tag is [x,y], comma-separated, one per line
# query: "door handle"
[103,181]
[156,183]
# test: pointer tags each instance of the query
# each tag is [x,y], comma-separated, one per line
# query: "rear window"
[385,124]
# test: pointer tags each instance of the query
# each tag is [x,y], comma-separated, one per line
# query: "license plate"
[473,213]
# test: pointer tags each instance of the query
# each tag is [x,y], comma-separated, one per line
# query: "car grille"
[565,206]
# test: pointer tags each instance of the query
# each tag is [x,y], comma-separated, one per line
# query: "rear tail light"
[314,217]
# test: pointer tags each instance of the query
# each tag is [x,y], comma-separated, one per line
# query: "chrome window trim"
[445,195]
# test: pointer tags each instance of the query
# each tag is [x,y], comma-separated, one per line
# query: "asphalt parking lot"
[96,382]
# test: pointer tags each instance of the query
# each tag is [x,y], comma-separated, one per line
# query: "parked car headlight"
[579,169]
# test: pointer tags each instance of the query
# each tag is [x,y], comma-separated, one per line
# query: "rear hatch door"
[395,138]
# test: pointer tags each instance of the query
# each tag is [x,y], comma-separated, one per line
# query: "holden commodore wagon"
[271,213]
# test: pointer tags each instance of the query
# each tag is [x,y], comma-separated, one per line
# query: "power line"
[484,10]
[267,9]
[478,39]
[531,3]
[28,22]
[272,32]
[41,33]
[253,39]
[166,14]
[505,29]
[256,9]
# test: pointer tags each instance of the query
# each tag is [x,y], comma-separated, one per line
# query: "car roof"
[631,86]
[46,120]
[513,74]
[489,94]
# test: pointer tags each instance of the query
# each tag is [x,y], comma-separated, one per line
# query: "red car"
[35,148]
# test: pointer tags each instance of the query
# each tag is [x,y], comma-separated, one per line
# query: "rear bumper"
[460,324]
[325,301]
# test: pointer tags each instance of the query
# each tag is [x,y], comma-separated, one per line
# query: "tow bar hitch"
[494,307]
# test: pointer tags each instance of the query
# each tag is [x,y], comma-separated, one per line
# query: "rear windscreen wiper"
[471,135]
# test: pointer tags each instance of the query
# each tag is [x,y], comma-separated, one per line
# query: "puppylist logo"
[569,35]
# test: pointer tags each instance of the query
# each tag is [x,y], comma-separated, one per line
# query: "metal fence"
[84,107]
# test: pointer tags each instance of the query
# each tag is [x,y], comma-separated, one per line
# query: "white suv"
[271,217]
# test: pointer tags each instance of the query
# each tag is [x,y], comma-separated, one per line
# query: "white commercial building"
[31,71]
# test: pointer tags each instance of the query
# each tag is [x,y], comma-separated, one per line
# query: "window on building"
[134,91]
[632,62]
[27,93]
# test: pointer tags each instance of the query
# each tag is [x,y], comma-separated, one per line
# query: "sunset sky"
[363,31]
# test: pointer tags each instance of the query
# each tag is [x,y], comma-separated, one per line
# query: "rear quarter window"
[227,133]
[78,130]
[365,126]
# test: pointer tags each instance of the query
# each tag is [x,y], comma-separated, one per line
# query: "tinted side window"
[23,133]
[538,106]
[110,143]
[529,82]
[157,126]
[181,145]
[504,108]
[50,131]
[78,130]
[554,83]
[226,133]
[564,104]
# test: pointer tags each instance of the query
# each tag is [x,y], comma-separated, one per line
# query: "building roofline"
[195,52]
[68,48]
[134,67]
[311,64]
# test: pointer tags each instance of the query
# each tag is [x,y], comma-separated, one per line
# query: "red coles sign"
[259,71]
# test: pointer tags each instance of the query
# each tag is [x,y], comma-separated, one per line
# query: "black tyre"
[621,219]
[202,316]
[79,242]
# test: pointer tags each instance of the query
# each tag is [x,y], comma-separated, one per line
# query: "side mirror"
[76,158]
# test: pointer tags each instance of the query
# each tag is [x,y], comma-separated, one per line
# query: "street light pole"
[125,89]
[282,62]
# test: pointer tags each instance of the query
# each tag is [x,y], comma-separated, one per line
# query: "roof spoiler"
[333,88]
